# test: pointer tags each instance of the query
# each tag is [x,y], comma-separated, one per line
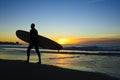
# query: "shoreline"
[18,69]
[86,53]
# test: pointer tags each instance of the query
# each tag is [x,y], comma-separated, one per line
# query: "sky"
[65,21]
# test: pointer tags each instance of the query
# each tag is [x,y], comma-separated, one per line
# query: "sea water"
[96,58]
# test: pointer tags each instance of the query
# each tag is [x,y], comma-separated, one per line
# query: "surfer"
[33,43]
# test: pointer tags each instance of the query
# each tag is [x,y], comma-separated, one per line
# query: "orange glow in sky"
[113,39]
[63,41]
[64,21]
[66,41]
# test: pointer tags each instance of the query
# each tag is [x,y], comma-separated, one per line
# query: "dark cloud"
[101,41]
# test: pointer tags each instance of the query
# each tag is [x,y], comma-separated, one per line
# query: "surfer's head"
[32,25]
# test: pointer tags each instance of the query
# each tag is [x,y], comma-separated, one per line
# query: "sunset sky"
[65,21]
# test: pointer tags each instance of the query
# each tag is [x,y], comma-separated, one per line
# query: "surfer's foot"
[26,61]
[38,62]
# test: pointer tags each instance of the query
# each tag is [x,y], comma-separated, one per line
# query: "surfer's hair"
[32,25]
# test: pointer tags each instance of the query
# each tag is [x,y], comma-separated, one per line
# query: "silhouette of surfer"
[33,43]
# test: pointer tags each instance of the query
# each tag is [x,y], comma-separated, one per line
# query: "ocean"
[92,57]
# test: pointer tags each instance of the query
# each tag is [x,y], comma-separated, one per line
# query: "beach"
[63,65]
[18,69]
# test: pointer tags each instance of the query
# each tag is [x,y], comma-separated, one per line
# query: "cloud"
[105,41]
[99,41]
[113,36]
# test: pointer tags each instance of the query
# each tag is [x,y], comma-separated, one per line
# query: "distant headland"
[6,43]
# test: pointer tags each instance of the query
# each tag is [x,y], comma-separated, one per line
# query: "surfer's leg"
[28,51]
[38,53]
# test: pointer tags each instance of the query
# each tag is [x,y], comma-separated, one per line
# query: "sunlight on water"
[12,56]
[104,64]
[108,64]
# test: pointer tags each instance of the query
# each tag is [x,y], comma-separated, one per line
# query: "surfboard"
[44,42]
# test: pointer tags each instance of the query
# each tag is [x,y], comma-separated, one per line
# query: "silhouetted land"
[8,42]
[16,69]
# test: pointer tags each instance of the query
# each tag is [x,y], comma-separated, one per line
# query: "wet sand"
[18,69]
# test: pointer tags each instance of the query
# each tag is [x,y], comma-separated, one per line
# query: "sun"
[63,41]
[67,41]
